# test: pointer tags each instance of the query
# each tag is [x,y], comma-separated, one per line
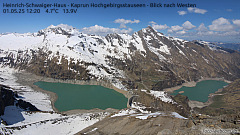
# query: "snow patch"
[124,112]
[162,95]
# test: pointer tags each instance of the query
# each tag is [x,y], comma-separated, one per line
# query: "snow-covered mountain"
[147,59]
[215,46]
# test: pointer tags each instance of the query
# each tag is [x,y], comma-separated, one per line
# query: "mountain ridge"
[145,58]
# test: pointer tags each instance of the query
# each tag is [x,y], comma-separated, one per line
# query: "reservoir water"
[202,90]
[73,96]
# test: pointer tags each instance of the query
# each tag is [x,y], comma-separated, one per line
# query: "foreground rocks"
[8,98]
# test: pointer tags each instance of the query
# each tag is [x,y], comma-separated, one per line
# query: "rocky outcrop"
[26,105]
[8,98]
[155,104]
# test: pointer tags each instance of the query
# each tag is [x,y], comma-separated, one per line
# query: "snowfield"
[46,123]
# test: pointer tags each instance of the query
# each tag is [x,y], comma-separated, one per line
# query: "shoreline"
[26,78]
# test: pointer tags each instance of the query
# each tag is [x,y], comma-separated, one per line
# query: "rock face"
[8,98]
[145,60]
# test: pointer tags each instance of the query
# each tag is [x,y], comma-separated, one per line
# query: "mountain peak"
[60,29]
[62,26]
[150,29]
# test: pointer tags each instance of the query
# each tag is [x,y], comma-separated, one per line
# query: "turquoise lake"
[73,96]
[202,90]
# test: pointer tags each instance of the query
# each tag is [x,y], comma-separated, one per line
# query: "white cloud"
[229,10]
[176,28]
[160,27]
[122,26]
[221,29]
[236,22]
[100,30]
[230,33]
[170,31]
[188,25]
[196,10]
[126,21]
[205,33]
[152,22]
[221,24]
[202,28]
[123,22]
[181,32]
[182,12]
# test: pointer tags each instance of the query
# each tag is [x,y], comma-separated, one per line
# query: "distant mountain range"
[232,46]
[145,60]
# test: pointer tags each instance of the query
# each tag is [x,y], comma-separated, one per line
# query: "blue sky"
[210,20]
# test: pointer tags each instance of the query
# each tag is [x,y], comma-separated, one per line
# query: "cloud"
[123,22]
[122,26]
[126,21]
[181,32]
[221,24]
[160,27]
[229,10]
[230,33]
[176,28]
[193,10]
[182,12]
[152,22]
[188,25]
[205,33]
[196,10]
[236,22]
[221,29]
[202,28]
[103,31]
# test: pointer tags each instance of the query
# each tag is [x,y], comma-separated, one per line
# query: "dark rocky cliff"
[8,98]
